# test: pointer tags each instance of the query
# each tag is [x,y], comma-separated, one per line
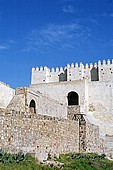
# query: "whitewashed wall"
[6,94]
[59,91]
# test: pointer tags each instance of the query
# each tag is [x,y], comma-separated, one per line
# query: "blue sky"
[52,33]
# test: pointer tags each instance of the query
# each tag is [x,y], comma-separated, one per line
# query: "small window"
[63,76]
[94,74]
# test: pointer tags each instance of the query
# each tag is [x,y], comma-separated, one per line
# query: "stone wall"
[109,146]
[72,110]
[106,71]
[6,94]
[92,138]
[37,136]
[74,72]
[100,96]
[100,106]
[44,104]
[59,91]
[17,103]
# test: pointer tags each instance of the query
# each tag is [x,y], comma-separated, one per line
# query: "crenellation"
[91,66]
[99,63]
[41,68]
[95,65]
[72,65]
[37,69]
[76,65]
[81,64]
[57,69]
[33,69]
[45,68]
[68,66]
[61,69]
[53,70]
[104,62]
[80,71]
[86,66]
[108,62]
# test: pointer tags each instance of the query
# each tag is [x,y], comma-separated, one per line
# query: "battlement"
[100,71]
[76,65]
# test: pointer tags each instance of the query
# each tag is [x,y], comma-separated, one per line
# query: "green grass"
[71,162]
[29,164]
[85,162]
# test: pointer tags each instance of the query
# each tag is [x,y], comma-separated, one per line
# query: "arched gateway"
[73,98]
[32,107]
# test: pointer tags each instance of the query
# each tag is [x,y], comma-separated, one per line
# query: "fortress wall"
[47,106]
[109,146]
[68,73]
[106,71]
[38,136]
[6,94]
[50,107]
[45,75]
[53,77]
[92,138]
[59,91]
[44,105]
[100,97]
[100,107]
[40,75]
[74,72]
[17,103]
[57,74]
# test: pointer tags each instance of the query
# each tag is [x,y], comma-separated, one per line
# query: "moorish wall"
[6,94]
[100,106]
[44,105]
[59,91]
[19,132]
[92,72]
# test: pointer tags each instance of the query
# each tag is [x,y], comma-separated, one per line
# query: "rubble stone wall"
[109,145]
[92,138]
[32,135]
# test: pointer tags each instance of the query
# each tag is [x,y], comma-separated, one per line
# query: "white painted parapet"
[73,72]
[40,75]
[105,70]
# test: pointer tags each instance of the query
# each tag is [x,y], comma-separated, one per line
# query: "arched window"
[94,74]
[73,98]
[63,76]
[32,107]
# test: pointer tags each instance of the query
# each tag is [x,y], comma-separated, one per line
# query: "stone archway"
[73,98]
[32,106]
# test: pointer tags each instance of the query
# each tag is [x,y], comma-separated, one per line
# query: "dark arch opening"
[32,106]
[73,98]
[94,74]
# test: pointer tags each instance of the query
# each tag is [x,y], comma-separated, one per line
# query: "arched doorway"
[73,98]
[32,107]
